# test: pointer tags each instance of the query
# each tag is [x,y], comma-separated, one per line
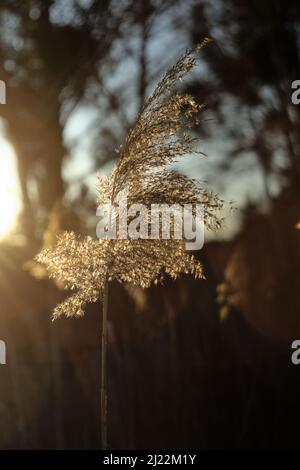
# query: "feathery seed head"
[141,175]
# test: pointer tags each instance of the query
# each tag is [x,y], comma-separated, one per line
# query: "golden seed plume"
[141,175]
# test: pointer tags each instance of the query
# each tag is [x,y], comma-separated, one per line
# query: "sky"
[243,186]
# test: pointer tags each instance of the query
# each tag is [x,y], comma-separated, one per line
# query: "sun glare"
[9,190]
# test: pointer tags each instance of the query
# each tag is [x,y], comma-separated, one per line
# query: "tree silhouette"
[47,65]
[251,69]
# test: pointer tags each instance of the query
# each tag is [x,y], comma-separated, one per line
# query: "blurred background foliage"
[194,363]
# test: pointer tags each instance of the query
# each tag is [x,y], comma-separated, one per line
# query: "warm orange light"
[9,191]
[298,225]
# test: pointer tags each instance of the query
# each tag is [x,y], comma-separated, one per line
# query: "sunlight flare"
[10,203]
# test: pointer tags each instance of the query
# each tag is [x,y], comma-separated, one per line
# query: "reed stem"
[104,370]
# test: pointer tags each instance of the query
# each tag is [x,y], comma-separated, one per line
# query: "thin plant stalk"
[104,370]
[141,175]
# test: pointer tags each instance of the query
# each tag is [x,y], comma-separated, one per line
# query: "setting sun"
[9,190]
